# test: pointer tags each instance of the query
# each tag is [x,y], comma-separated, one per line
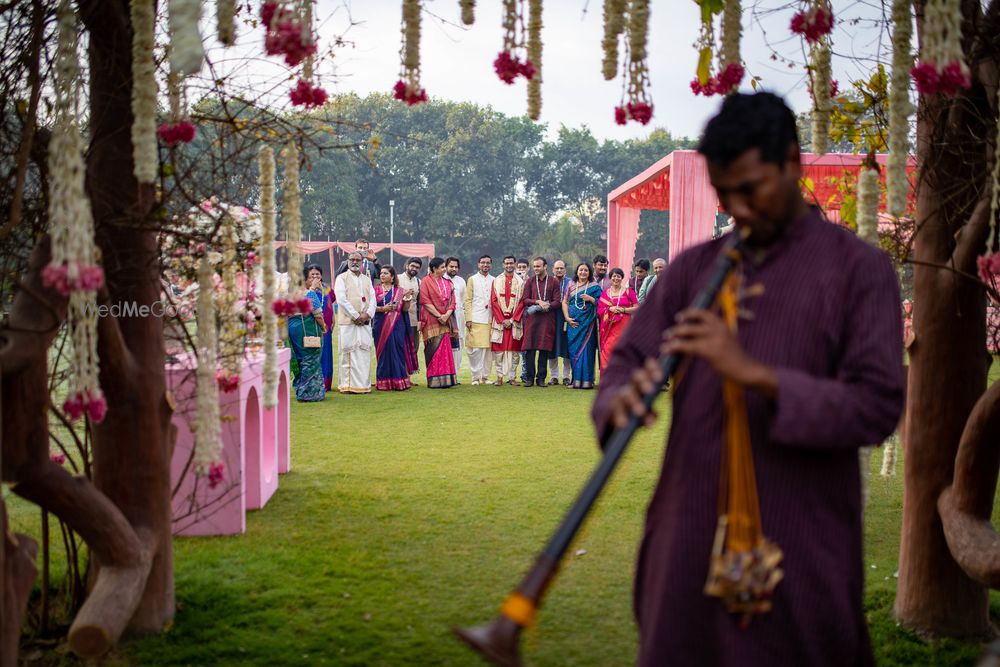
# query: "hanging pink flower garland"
[942,69]
[635,103]
[408,88]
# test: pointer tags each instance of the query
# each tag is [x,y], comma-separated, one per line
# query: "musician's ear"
[793,157]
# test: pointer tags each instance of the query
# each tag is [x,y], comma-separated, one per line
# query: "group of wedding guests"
[524,317]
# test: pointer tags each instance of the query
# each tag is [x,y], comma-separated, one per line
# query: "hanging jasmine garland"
[408,88]
[821,93]
[266,162]
[297,302]
[508,65]
[73,269]
[730,69]
[144,155]
[868,196]
[225,17]
[638,106]
[186,49]
[468,11]
[535,58]
[900,108]
[179,130]
[942,67]
[614,25]
[208,436]
[228,377]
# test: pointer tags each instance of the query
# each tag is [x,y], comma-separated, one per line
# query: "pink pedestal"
[255,448]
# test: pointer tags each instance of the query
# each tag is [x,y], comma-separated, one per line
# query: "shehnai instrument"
[743,570]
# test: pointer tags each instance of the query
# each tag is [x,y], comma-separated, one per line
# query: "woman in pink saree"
[391,330]
[437,317]
[614,311]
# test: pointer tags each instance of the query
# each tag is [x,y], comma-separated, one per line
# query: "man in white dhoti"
[355,310]
[452,265]
[477,313]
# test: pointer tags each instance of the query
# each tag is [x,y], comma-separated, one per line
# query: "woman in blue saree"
[327,357]
[580,310]
[391,330]
[308,383]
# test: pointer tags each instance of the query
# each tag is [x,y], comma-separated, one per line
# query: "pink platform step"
[255,448]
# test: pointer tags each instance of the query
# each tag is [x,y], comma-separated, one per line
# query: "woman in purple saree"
[391,330]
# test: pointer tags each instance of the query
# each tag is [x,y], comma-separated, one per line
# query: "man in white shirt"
[478,316]
[452,265]
[355,310]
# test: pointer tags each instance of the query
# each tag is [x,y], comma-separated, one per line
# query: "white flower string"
[266,161]
[186,49]
[225,17]
[231,339]
[468,8]
[614,25]
[293,223]
[942,67]
[208,430]
[867,207]
[73,269]
[730,64]
[535,58]
[178,129]
[407,88]
[144,153]
[636,104]
[821,75]
[900,108]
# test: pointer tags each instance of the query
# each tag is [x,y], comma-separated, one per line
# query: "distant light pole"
[392,230]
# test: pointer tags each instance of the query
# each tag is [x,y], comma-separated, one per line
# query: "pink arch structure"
[679,183]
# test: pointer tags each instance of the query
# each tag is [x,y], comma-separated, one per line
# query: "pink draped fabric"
[679,183]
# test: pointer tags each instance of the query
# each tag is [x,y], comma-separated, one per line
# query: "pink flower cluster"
[285,39]
[252,260]
[288,307]
[216,473]
[948,80]
[227,382]
[813,24]
[58,278]
[176,133]
[411,96]
[509,67]
[637,111]
[58,459]
[304,94]
[86,402]
[834,88]
[722,83]
[989,267]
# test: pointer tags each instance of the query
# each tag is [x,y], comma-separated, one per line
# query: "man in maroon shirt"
[822,368]
[541,302]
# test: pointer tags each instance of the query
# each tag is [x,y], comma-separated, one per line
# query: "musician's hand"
[702,333]
[628,401]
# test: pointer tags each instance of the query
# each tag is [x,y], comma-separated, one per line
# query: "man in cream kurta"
[452,265]
[355,310]
[478,316]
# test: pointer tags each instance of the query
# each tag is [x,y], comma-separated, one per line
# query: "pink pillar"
[693,204]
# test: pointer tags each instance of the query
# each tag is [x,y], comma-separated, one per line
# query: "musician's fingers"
[654,370]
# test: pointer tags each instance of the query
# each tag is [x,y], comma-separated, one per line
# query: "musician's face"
[761,196]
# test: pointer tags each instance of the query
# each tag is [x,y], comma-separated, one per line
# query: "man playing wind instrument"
[816,379]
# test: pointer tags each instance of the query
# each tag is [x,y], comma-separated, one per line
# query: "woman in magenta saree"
[391,330]
[614,311]
[437,317]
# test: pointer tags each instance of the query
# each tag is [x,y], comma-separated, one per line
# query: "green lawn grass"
[407,513]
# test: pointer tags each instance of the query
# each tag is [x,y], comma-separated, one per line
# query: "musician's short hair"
[747,121]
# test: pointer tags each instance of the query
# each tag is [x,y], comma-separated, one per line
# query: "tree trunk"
[17,575]
[948,360]
[132,447]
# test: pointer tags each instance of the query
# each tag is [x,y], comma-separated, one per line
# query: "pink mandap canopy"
[404,249]
[679,183]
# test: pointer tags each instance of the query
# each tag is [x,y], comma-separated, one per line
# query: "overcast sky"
[457,62]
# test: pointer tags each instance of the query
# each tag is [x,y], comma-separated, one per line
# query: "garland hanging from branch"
[508,64]
[266,162]
[208,430]
[942,69]
[186,49]
[535,58]
[297,302]
[179,129]
[614,25]
[73,269]
[145,158]
[730,68]
[635,104]
[231,342]
[306,93]
[900,108]
[821,89]
[408,88]
[225,17]
[285,35]
[468,8]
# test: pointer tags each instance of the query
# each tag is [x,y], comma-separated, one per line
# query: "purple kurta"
[540,328]
[828,322]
